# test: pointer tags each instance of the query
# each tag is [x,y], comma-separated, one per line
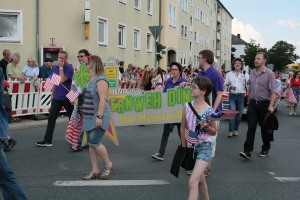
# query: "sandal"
[107,171]
[91,176]
[207,172]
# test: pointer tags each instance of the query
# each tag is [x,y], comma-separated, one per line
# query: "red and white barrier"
[28,100]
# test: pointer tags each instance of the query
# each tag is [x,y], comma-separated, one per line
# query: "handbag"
[190,158]
[36,83]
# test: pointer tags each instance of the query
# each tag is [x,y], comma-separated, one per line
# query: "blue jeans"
[9,185]
[236,102]
[79,144]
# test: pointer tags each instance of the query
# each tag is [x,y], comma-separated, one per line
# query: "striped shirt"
[262,86]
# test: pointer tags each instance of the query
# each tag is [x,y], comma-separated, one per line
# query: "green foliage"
[281,54]
[251,50]
[81,76]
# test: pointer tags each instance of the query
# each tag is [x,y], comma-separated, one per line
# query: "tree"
[281,54]
[251,50]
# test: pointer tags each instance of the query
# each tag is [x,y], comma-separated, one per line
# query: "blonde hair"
[14,57]
[97,65]
[35,64]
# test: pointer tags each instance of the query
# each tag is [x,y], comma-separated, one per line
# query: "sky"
[266,21]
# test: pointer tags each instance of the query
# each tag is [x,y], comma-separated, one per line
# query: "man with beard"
[261,97]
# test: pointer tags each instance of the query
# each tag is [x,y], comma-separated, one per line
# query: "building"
[239,44]
[190,26]
[114,28]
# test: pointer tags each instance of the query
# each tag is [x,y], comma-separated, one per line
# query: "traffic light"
[159,51]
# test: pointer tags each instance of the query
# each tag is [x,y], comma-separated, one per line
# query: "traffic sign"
[155,30]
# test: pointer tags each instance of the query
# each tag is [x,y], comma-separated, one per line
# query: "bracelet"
[61,68]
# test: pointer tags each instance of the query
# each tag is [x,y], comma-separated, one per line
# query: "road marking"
[288,179]
[272,173]
[110,182]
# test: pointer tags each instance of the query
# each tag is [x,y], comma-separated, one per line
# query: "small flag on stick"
[73,94]
[48,85]
[55,79]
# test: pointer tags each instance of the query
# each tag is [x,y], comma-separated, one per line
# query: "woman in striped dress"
[96,117]
[293,94]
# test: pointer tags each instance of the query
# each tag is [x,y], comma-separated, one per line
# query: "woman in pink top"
[293,95]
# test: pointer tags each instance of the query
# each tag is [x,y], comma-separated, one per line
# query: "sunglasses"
[193,87]
[80,56]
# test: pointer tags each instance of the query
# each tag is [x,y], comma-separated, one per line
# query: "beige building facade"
[194,25]
[108,28]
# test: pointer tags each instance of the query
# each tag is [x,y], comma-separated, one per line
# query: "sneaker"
[263,153]
[290,113]
[158,156]
[5,147]
[246,155]
[43,144]
[230,134]
[189,172]
[11,143]
[235,133]
[79,148]
[295,113]
[207,172]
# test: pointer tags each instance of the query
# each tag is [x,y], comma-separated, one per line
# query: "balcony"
[218,53]
[219,18]
[218,36]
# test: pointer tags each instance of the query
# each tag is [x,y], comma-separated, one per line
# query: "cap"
[48,60]
[5,84]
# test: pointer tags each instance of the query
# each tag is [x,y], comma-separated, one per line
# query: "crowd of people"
[90,113]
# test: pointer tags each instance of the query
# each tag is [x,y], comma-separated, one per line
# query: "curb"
[34,124]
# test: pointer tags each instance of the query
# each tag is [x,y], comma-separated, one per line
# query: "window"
[197,13]
[192,1]
[214,44]
[207,20]
[137,4]
[183,31]
[11,26]
[102,31]
[150,7]
[136,39]
[122,36]
[185,5]
[215,7]
[183,58]
[196,62]
[149,42]
[122,1]
[172,14]
[191,23]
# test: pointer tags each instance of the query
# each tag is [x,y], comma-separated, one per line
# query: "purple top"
[217,80]
[262,86]
[60,91]
[170,84]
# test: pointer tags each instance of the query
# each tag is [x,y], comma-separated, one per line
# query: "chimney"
[239,36]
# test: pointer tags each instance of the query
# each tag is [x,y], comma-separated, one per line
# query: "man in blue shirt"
[206,59]
[58,97]
[9,185]
[176,80]
[45,69]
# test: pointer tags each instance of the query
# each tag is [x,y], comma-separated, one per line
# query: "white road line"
[110,183]
[288,179]
[272,173]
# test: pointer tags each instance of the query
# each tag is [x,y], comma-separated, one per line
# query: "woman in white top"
[31,70]
[288,89]
[158,81]
[236,84]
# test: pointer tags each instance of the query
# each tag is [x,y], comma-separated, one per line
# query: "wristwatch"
[61,68]
[100,116]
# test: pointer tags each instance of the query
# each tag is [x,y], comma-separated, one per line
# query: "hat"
[5,84]
[48,60]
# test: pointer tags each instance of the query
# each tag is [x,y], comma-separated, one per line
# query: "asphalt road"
[38,169]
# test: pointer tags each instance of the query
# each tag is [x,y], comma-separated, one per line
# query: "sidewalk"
[28,123]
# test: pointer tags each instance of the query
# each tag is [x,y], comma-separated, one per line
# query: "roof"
[225,9]
[235,40]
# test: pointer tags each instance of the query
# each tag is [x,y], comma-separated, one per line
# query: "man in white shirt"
[236,84]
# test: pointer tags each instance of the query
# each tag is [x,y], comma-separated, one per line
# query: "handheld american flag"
[48,85]
[73,94]
[55,79]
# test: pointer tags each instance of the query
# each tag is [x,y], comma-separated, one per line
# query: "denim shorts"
[95,136]
[203,151]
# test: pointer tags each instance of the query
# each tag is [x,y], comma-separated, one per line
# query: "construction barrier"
[26,99]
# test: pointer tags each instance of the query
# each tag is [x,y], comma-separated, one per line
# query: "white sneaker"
[295,113]
[290,113]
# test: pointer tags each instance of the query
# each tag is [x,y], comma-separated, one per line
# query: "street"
[47,172]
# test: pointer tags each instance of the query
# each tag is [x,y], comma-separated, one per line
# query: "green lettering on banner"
[156,100]
[113,105]
[138,103]
[186,95]
[171,97]
[128,103]
[179,96]
[148,100]
[121,106]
